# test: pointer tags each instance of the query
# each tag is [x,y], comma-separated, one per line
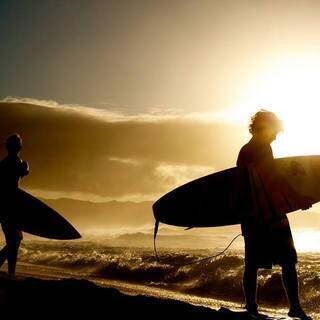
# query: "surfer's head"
[14,143]
[265,125]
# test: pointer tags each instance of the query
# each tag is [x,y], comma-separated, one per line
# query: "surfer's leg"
[3,255]
[290,281]
[12,258]
[250,287]
[5,249]
[13,247]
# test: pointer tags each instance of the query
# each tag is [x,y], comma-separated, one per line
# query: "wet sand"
[37,298]
[41,292]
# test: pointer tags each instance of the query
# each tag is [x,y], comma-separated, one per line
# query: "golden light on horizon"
[307,241]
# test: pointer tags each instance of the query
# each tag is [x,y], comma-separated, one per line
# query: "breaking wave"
[220,278]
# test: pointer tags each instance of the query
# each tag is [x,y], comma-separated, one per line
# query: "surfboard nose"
[36,217]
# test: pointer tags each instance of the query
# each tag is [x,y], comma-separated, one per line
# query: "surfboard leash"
[156,227]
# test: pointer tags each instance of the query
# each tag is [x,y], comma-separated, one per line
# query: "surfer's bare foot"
[252,309]
[11,276]
[298,313]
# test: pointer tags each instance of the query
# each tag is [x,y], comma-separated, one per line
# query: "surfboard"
[223,198]
[35,217]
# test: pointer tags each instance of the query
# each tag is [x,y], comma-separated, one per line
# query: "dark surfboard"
[221,198]
[204,202]
[33,216]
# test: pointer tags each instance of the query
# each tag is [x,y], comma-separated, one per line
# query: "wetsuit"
[12,168]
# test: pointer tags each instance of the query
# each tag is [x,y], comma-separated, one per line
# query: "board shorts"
[268,243]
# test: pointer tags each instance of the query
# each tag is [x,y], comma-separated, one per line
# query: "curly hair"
[264,119]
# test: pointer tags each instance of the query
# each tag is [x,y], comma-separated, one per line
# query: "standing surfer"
[268,241]
[12,169]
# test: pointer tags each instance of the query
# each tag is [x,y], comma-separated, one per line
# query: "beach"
[90,274]
[44,298]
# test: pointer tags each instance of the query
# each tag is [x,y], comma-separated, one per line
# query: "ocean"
[135,269]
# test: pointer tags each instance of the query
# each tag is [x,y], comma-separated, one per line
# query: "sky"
[222,59]
[144,55]
[124,100]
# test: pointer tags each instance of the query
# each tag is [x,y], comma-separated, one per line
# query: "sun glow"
[307,241]
[292,90]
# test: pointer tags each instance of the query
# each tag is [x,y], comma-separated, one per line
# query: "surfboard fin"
[189,228]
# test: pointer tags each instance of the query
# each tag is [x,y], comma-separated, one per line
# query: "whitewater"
[136,269]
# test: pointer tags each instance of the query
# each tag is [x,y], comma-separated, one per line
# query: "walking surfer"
[268,242]
[12,169]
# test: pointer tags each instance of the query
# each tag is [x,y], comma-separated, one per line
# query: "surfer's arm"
[24,169]
[295,198]
[277,183]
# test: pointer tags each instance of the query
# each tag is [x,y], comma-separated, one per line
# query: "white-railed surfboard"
[226,197]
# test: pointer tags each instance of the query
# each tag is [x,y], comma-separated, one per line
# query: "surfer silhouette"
[12,169]
[268,241]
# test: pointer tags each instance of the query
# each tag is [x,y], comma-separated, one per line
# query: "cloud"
[154,114]
[176,175]
[77,152]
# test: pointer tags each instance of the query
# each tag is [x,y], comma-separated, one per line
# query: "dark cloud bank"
[72,152]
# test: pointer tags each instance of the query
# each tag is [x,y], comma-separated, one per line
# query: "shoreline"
[27,296]
[129,289]
[76,295]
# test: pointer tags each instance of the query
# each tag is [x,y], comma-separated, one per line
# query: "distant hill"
[131,217]
[89,216]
